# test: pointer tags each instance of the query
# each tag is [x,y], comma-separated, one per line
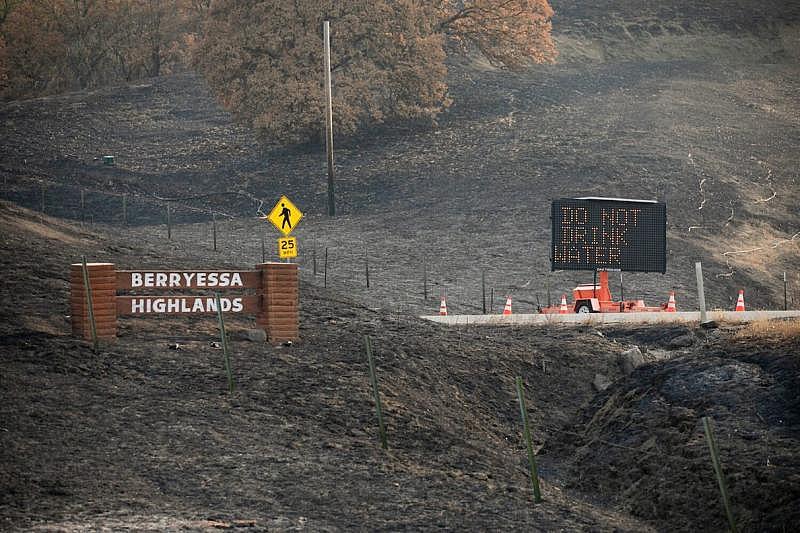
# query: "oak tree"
[512,33]
[263,59]
[57,45]
[35,52]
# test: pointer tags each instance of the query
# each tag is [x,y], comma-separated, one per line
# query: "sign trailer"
[602,234]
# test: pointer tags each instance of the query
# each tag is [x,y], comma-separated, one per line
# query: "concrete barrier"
[606,318]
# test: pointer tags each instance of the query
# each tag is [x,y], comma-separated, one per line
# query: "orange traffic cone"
[740,301]
[507,308]
[671,303]
[443,307]
[563,309]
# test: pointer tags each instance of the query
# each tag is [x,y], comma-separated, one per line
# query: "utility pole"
[329,116]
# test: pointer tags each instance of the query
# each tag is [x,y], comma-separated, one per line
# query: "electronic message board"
[608,234]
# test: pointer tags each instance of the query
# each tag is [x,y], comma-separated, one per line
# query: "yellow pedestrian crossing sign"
[285,215]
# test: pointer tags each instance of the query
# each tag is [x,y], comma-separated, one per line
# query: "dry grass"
[756,250]
[14,219]
[774,329]
[628,42]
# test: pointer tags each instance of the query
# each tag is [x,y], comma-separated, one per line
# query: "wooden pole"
[329,117]
[548,290]
[785,301]
[534,470]
[89,305]
[366,266]
[263,250]
[169,223]
[715,462]
[224,339]
[425,280]
[214,229]
[483,290]
[83,205]
[374,380]
[326,268]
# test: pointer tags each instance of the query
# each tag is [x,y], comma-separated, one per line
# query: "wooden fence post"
[549,300]
[214,228]
[366,266]
[785,301]
[483,290]
[424,280]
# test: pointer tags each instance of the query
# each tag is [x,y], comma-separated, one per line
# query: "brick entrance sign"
[278,314]
[274,300]
[103,283]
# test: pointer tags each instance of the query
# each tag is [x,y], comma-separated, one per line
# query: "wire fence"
[366,269]
[227,222]
[93,204]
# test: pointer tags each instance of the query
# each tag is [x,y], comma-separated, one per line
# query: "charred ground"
[145,437]
[701,112]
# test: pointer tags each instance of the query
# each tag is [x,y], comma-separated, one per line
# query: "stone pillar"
[103,282]
[280,307]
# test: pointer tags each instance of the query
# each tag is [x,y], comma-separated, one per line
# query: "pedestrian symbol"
[285,216]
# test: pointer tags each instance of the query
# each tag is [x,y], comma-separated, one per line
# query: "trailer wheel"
[583,308]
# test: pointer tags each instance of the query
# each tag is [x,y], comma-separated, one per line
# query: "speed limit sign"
[287,247]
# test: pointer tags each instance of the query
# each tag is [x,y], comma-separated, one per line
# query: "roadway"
[607,318]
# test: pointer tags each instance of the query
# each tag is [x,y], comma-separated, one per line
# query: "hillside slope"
[687,103]
[140,436]
[144,436]
[711,129]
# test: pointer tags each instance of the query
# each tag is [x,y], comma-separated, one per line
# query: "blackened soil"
[643,444]
[143,435]
[695,105]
